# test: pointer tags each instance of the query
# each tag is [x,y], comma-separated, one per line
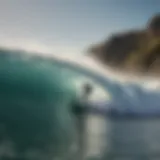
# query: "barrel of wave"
[36,97]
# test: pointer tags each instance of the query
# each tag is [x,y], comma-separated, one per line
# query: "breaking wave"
[37,92]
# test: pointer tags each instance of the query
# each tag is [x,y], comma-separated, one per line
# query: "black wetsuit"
[79,108]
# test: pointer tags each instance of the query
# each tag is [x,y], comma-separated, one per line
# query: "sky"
[69,26]
[65,27]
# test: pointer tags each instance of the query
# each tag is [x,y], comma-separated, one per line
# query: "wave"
[140,95]
[37,92]
[35,97]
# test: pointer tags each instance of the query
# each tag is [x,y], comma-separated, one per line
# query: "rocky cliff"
[136,50]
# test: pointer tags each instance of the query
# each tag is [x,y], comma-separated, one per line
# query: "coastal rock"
[136,50]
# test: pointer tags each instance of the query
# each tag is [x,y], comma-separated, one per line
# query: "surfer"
[80,110]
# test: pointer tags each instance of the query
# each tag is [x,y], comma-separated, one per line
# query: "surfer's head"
[35,119]
[87,89]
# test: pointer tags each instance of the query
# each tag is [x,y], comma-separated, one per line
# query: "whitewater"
[139,94]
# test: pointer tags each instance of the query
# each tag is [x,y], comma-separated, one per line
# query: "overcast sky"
[69,26]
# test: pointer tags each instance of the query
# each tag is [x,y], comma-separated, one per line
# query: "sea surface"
[122,139]
[106,138]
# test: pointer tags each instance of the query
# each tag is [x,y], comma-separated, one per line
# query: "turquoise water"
[36,121]
[35,103]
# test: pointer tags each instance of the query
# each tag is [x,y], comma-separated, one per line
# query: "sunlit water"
[123,139]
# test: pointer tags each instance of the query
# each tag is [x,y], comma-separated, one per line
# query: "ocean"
[122,139]
[35,116]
